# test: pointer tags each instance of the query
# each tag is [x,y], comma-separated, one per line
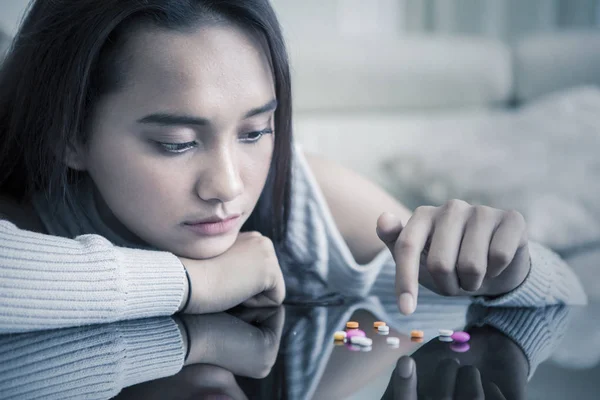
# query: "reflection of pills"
[352,347]
[366,348]
[460,347]
[338,342]
[392,340]
[352,325]
[416,334]
[377,324]
[339,335]
[382,333]
[461,337]
[446,332]
[354,332]
[445,339]
[383,328]
[416,339]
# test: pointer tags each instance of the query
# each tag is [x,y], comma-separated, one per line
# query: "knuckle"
[469,267]
[439,266]
[500,257]
[516,216]
[423,210]
[456,204]
[406,244]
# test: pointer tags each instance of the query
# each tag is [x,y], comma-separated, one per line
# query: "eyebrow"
[168,119]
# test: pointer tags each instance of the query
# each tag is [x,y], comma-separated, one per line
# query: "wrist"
[186,291]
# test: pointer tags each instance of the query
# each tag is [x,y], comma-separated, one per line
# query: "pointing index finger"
[407,254]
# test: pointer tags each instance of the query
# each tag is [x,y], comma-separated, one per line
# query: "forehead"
[207,65]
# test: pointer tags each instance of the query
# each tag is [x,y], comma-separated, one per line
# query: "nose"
[220,179]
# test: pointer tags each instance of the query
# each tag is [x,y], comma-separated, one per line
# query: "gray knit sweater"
[86,274]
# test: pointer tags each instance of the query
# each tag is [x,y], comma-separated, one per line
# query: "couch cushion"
[399,74]
[550,62]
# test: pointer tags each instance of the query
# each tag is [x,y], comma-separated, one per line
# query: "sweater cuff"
[537,331]
[550,281]
[153,283]
[153,350]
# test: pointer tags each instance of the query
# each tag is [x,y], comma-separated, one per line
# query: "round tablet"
[354,332]
[446,339]
[383,328]
[352,325]
[446,332]
[460,347]
[461,337]
[416,334]
[392,340]
[377,324]
[339,335]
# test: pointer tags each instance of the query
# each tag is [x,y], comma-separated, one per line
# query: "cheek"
[136,183]
[255,169]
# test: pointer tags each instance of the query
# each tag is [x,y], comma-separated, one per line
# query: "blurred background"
[496,102]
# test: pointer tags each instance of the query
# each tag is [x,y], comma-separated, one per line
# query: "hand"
[456,250]
[493,368]
[221,346]
[248,273]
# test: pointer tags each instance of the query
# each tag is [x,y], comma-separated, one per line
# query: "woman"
[148,167]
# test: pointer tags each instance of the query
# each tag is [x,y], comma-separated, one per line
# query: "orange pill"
[416,339]
[416,334]
[352,325]
[377,324]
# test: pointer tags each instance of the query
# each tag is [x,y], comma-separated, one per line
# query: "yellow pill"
[352,325]
[377,324]
[339,335]
[416,334]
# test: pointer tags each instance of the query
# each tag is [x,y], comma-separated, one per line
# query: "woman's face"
[188,138]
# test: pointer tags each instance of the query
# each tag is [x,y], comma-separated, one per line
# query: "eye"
[254,137]
[177,147]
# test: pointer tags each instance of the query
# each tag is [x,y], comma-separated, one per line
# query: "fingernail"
[405,367]
[406,303]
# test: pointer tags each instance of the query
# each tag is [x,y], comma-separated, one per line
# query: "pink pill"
[460,347]
[354,332]
[460,337]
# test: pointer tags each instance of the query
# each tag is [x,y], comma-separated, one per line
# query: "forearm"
[53,282]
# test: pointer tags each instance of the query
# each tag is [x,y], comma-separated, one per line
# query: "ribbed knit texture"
[93,362]
[50,281]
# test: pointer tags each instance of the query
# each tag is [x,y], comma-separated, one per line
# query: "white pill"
[383,328]
[393,340]
[446,332]
[382,333]
[366,348]
[445,339]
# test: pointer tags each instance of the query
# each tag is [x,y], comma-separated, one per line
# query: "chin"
[209,247]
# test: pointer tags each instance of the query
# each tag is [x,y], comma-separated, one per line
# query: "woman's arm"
[535,275]
[51,282]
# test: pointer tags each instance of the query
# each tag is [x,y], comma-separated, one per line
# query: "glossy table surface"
[289,353]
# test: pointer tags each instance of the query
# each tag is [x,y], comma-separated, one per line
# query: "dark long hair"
[64,58]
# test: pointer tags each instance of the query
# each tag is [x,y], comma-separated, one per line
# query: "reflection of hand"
[494,367]
[450,381]
[471,250]
[220,346]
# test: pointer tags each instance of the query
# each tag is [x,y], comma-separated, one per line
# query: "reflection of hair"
[65,57]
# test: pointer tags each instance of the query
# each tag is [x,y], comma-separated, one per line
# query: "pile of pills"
[357,340]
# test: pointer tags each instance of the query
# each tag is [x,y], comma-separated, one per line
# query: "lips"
[218,226]
[214,219]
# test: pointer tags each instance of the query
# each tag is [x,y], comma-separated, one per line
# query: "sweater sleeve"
[49,282]
[93,362]
[550,281]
